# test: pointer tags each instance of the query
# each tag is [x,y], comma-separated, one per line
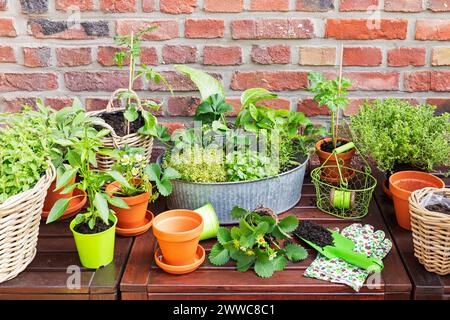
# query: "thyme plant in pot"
[333,95]
[137,183]
[132,124]
[260,159]
[94,230]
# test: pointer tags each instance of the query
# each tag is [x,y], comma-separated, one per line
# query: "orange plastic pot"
[134,216]
[54,195]
[178,233]
[402,184]
[332,174]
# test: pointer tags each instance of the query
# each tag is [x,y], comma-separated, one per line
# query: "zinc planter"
[280,193]
[95,250]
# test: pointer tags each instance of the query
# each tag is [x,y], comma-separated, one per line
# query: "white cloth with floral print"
[368,242]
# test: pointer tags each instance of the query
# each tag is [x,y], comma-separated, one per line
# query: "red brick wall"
[404,52]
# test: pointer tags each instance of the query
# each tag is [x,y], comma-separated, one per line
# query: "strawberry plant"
[260,241]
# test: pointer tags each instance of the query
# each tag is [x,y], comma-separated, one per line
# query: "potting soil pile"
[367,241]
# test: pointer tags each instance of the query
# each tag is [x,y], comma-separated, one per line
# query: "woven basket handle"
[110,106]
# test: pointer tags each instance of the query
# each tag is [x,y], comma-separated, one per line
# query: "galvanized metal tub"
[279,193]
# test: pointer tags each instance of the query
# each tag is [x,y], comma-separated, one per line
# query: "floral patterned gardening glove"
[336,270]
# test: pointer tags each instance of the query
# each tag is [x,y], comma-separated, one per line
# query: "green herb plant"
[259,241]
[331,94]
[136,176]
[396,134]
[132,51]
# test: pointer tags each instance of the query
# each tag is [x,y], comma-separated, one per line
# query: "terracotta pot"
[402,184]
[332,174]
[134,216]
[54,195]
[178,233]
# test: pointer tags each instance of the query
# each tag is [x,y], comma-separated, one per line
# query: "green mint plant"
[136,176]
[246,165]
[259,241]
[331,94]
[396,134]
[132,52]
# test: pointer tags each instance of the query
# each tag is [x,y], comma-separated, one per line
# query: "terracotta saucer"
[75,206]
[139,230]
[199,259]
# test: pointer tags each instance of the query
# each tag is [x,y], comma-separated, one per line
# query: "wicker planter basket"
[113,141]
[431,233]
[20,216]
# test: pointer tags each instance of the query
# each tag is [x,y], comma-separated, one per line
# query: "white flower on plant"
[273,255]
[135,171]
[138,157]
[125,159]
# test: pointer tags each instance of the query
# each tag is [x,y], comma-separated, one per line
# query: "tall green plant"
[331,94]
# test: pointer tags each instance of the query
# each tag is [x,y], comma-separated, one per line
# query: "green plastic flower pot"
[95,250]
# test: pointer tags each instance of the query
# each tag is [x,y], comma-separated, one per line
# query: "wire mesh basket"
[342,191]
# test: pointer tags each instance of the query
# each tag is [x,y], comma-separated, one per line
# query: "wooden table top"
[144,280]
[46,277]
[426,285]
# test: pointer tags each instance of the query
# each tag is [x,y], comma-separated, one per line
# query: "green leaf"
[131,114]
[289,224]
[164,187]
[262,228]
[295,252]
[238,212]
[101,205]
[58,210]
[264,267]
[153,172]
[117,202]
[247,241]
[69,189]
[244,262]
[170,174]
[206,84]
[223,235]
[119,178]
[279,263]
[236,233]
[66,178]
[218,255]
[253,95]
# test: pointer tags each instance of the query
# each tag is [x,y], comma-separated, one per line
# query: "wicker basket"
[431,233]
[20,216]
[113,141]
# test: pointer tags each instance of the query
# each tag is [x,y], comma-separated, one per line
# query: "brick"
[428,29]
[272,29]
[148,5]
[362,56]
[439,5]
[73,57]
[98,81]
[16,104]
[105,56]
[403,5]
[269,5]
[7,28]
[440,81]
[36,57]
[182,106]
[270,80]
[167,29]
[224,6]
[365,29]
[440,56]
[311,108]
[317,56]
[178,82]
[277,104]
[354,105]
[34,6]
[402,57]
[149,56]
[3,5]
[222,56]
[275,54]
[58,102]
[417,81]
[81,5]
[314,5]
[374,81]
[173,126]
[178,6]
[96,104]
[7,54]
[48,29]
[442,104]
[204,28]
[28,81]
[119,6]
[358,5]
[179,54]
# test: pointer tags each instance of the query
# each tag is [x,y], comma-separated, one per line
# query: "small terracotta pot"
[134,216]
[402,184]
[54,195]
[332,174]
[178,233]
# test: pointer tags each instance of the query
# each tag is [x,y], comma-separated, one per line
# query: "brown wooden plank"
[56,244]
[25,296]
[128,295]
[104,296]
[268,296]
